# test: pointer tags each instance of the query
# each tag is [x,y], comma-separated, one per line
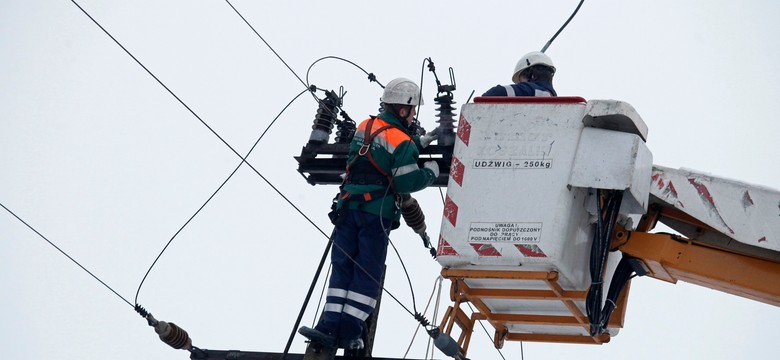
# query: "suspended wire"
[215,191]
[486,332]
[66,254]
[266,43]
[243,160]
[371,76]
[436,283]
[205,124]
[408,278]
[562,27]
[435,317]
[311,88]
[322,295]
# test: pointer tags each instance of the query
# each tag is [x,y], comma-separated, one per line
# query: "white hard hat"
[531,59]
[402,91]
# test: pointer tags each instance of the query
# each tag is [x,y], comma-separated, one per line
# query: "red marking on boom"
[451,211]
[456,171]
[672,190]
[464,130]
[444,248]
[485,249]
[706,197]
[530,250]
[747,200]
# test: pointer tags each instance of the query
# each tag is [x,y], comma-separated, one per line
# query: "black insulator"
[421,319]
[446,115]
[325,118]
[345,130]
[413,215]
[140,310]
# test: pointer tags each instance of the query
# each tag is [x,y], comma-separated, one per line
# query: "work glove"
[428,138]
[434,166]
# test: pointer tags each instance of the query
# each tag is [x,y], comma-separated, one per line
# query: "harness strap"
[365,150]
[364,197]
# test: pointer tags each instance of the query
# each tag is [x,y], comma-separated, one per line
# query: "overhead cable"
[215,192]
[562,27]
[64,253]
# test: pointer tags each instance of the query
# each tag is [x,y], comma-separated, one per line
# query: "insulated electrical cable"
[488,334]
[436,283]
[371,76]
[564,25]
[204,123]
[243,159]
[64,253]
[215,192]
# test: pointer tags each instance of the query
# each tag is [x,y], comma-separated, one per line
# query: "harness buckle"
[364,149]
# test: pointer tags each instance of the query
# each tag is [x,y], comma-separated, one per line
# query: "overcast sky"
[104,162]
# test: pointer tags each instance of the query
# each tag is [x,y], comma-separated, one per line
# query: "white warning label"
[512,164]
[505,232]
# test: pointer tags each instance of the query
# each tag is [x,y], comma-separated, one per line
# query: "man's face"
[408,113]
[412,113]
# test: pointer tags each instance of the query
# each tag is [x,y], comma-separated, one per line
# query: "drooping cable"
[607,209]
[435,317]
[236,152]
[206,124]
[408,278]
[215,192]
[436,284]
[64,253]
[371,76]
[562,27]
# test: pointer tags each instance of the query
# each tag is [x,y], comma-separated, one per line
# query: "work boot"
[353,344]
[317,336]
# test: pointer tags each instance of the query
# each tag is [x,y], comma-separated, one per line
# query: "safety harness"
[358,172]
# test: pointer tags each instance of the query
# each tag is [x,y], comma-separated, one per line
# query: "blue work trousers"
[358,261]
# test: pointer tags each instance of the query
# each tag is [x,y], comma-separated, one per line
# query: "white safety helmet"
[531,59]
[402,91]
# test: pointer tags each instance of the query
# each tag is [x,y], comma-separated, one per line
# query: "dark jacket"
[532,88]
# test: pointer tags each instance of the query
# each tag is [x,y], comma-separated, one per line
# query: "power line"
[216,191]
[562,27]
[243,160]
[66,254]
[267,44]
[200,119]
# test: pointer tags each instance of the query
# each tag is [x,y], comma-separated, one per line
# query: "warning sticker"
[512,164]
[505,232]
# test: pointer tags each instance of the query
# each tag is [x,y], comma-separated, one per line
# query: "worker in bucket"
[533,76]
[382,165]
